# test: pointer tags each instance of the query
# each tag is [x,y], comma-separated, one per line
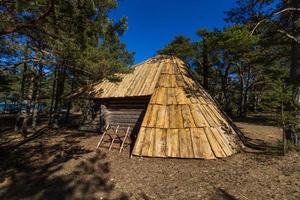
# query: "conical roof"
[182,120]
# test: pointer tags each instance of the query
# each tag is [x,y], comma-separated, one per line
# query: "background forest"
[49,48]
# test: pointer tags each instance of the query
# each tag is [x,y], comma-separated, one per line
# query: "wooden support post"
[126,134]
[112,141]
[101,139]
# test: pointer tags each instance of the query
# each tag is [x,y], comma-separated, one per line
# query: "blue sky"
[154,23]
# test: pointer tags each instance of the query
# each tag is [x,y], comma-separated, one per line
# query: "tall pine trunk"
[37,88]
[295,62]
[205,65]
[50,121]
[22,93]
[61,75]
[28,108]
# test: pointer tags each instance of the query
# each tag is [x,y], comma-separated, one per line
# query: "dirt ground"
[64,165]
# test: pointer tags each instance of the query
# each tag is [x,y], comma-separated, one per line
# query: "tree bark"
[50,121]
[37,87]
[59,91]
[295,61]
[69,102]
[28,109]
[205,65]
[22,93]
[225,90]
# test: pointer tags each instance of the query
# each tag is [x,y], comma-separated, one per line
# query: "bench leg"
[122,145]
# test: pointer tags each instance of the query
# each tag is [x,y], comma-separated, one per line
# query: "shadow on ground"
[35,171]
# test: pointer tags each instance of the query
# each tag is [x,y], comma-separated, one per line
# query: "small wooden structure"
[171,113]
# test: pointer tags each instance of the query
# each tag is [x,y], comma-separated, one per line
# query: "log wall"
[125,112]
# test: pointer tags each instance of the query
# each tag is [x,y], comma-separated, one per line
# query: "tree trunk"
[295,62]
[225,90]
[205,65]
[37,87]
[69,102]
[28,109]
[50,121]
[22,93]
[59,91]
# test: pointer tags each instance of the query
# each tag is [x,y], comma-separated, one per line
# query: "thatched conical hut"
[171,113]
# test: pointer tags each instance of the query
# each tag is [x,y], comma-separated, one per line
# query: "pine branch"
[31,24]
[272,15]
[288,35]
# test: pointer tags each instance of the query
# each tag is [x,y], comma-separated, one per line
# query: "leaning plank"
[124,140]
[197,116]
[215,146]
[103,134]
[225,147]
[188,121]
[205,148]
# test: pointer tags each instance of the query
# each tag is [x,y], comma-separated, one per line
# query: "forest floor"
[64,165]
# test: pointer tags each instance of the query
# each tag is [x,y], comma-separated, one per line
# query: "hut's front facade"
[171,113]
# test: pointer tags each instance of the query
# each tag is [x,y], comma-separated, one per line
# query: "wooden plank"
[122,88]
[164,80]
[176,117]
[171,68]
[167,118]
[160,143]
[172,116]
[149,140]
[172,148]
[206,116]
[212,116]
[154,96]
[204,146]
[188,121]
[197,116]
[165,68]
[215,146]
[218,114]
[196,141]
[156,77]
[185,144]
[153,117]
[181,96]
[162,96]
[148,115]
[171,96]
[140,81]
[224,144]
[179,80]
[150,76]
[136,74]
[162,116]
[172,81]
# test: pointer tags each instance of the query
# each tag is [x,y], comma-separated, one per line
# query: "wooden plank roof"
[140,82]
[182,120]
